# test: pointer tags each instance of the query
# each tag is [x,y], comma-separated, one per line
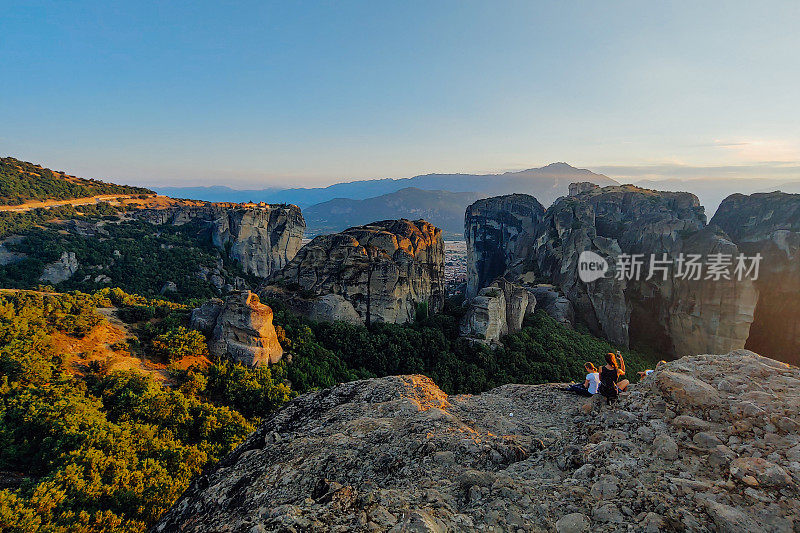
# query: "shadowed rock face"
[769,224]
[240,328]
[672,315]
[493,230]
[380,272]
[399,454]
[263,238]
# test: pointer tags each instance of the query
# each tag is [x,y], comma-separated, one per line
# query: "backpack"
[608,389]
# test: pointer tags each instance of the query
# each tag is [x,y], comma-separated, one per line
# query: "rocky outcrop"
[497,310]
[381,272]
[262,237]
[664,312]
[769,224]
[239,328]
[693,447]
[493,231]
[60,270]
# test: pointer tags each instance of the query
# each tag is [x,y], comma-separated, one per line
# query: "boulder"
[239,328]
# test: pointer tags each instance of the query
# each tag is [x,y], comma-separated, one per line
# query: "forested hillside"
[88,445]
[21,182]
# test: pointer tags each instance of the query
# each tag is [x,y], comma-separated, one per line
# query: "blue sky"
[307,93]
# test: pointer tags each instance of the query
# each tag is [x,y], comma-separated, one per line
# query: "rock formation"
[667,313]
[60,270]
[239,328]
[493,227]
[769,224]
[693,447]
[262,237]
[497,310]
[381,272]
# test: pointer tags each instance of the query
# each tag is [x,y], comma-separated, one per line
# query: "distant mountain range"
[439,198]
[444,209]
[546,183]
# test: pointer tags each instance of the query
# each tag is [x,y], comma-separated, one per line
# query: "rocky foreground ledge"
[707,443]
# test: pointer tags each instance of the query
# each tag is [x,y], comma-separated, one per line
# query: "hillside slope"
[686,450]
[21,182]
[443,209]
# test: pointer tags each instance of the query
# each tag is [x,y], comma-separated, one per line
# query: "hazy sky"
[306,93]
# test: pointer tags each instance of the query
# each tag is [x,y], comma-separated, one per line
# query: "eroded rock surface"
[381,272]
[693,447]
[60,270]
[664,312]
[493,227]
[497,310]
[262,237]
[769,224]
[239,328]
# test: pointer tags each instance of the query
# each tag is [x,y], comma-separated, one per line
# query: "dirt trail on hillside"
[35,204]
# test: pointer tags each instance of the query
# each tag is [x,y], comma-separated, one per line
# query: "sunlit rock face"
[769,224]
[263,238]
[494,229]
[240,329]
[381,272]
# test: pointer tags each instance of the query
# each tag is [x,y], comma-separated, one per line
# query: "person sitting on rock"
[650,371]
[610,384]
[590,385]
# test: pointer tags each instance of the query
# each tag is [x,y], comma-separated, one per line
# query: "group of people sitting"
[608,380]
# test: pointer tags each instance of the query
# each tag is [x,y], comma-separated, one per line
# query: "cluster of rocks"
[239,328]
[497,310]
[263,238]
[381,272]
[705,443]
[676,315]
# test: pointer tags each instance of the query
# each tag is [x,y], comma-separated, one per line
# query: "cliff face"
[380,272]
[239,328]
[769,224]
[677,316]
[494,228]
[263,238]
[688,449]
[671,314]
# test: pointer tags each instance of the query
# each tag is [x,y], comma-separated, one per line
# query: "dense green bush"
[108,454]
